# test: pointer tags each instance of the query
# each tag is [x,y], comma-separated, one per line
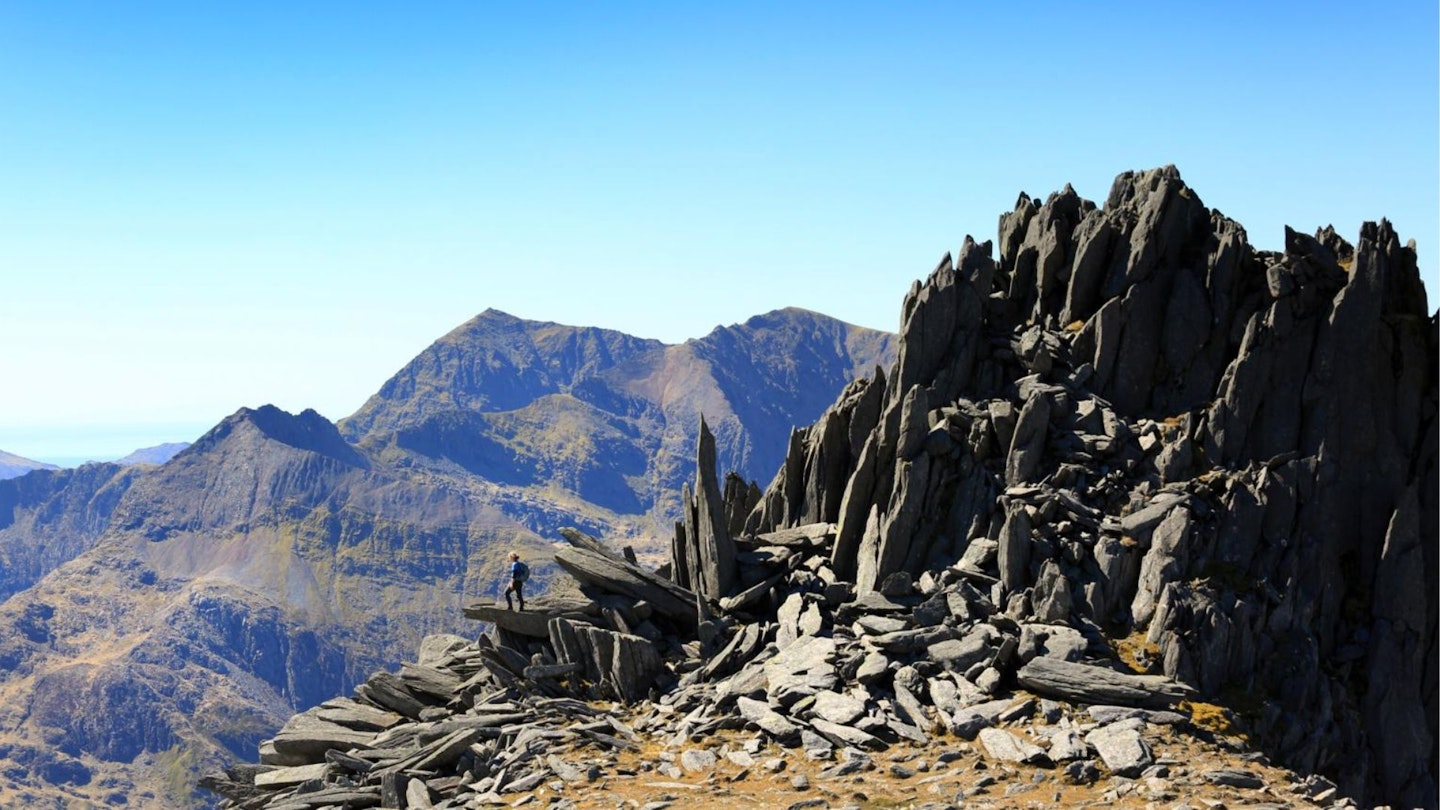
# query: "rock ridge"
[1130,474]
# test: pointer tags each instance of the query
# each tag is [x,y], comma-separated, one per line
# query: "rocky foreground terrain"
[1141,515]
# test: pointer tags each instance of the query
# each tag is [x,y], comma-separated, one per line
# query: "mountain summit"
[608,417]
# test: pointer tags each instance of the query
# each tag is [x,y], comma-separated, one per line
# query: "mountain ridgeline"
[610,417]
[174,615]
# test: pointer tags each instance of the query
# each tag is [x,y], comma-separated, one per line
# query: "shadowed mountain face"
[172,616]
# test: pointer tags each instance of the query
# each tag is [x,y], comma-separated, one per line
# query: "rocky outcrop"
[702,554]
[1133,421]
[810,667]
[1132,474]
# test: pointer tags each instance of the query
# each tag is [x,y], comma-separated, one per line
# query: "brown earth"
[948,771]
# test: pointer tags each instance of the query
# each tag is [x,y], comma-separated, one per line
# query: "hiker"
[519,572]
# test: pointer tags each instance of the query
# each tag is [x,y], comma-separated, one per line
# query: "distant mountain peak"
[307,430]
[13,466]
[156,454]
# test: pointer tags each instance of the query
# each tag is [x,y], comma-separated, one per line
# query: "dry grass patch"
[1137,652]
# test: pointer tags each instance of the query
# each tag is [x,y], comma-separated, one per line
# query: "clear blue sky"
[211,205]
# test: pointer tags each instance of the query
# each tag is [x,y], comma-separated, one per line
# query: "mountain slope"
[267,566]
[609,418]
[13,466]
[51,516]
[172,616]
[157,454]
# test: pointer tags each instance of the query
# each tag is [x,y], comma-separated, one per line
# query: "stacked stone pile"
[1131,469]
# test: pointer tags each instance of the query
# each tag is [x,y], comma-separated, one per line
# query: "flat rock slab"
[1121,748]
[1051,641]
[333,797]
[806,655]
[845,735]
[958,655]
[1234,778]
[1083,683]
[969,721]
[624,577]
[354,715]
[291,776]
[769,720]
[1066,745]
[1005,746]
[698,760]
[1114,714]
[812,534]
[533,620]
[874,602]
[567,771]
[837,708]
[309,737]
[873,668]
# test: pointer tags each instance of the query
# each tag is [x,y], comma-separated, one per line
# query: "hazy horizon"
[212,207]
[71,446]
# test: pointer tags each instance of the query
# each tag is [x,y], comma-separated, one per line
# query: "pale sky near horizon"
[209,206]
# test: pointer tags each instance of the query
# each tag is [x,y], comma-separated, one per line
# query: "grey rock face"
[629,579]
[1050,641]
[1067,745]
[769,721]
[837,708]
[626,665]
[709,553]
[1007,747]
[1121,747]
[1084,683]
[1234,432]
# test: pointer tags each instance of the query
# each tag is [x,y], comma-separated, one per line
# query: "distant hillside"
[159,454]
[172,616]
[607,417]
[13,466]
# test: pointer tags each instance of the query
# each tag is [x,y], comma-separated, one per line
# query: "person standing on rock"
[519,573]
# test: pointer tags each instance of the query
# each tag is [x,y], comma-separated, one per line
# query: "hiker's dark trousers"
[518,586]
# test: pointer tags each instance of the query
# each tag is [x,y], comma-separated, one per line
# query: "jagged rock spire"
[703,553]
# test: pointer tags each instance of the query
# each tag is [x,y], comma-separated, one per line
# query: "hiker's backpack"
[522,573]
